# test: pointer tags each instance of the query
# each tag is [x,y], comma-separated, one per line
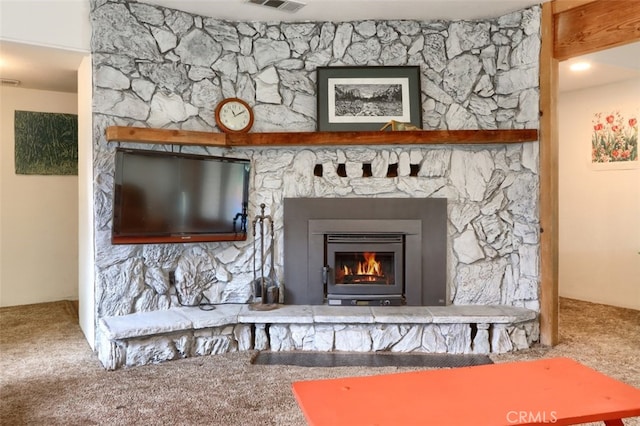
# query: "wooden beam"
[414,137]
[549,236]
[594,26]
[417,137]
[164,136]
[562,5]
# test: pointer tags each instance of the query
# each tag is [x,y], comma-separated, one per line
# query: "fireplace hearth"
[361,251]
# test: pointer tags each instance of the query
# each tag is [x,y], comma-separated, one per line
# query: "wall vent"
[284,5]
[9,82]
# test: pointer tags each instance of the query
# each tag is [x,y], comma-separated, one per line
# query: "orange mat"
[556,391]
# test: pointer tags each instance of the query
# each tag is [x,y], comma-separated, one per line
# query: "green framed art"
[46,143]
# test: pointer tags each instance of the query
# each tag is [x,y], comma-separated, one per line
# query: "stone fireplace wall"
[161,68]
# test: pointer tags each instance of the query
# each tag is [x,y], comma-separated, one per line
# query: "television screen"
[165,197]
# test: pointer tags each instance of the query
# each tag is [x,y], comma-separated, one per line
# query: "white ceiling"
[40,68]
[607,66]
[351,10]
[38,65]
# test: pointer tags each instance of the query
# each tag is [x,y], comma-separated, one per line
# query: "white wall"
[54,23]
[86,255]
[599,210]
[38,214]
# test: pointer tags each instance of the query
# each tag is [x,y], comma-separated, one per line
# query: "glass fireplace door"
[364,267]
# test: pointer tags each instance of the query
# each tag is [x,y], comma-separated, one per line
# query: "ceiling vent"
[284,5]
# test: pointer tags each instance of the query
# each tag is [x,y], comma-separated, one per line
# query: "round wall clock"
[234,115]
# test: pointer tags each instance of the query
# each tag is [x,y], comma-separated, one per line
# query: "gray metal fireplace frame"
[303,285]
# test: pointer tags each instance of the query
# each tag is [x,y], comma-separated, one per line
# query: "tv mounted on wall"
[168,197]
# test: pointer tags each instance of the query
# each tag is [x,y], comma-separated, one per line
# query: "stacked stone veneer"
[162,68]
[156,336]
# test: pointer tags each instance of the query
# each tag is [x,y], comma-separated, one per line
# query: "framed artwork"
[46,143]
[614,140]
[366,98]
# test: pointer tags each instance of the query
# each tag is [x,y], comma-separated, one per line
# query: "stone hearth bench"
[157,336]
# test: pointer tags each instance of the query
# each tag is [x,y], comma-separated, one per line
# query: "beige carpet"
[49,375]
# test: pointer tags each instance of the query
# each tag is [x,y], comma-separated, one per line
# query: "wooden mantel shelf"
[413,137]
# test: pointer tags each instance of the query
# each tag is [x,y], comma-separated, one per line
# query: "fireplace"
[364,269]
[365,251]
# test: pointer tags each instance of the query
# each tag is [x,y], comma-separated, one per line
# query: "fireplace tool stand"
[266,286]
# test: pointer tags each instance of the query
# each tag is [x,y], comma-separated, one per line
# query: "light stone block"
[384,336]
[203,344]
[261,342]
[467,248]
[144,324]
[323,338]
[532,328]
[480,283]
[410,341]
[432,340]
[457,337]
[220,316]
[342,314]
[401,314]
[353,339]
[221,345]
[150,350]
[280,338]
[480,342]
[301,335]
[519,339]
[283,314]
[242,335]
[500,339]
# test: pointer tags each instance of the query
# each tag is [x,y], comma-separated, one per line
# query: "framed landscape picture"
[366,98]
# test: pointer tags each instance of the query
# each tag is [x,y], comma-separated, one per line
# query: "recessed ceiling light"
[580,66]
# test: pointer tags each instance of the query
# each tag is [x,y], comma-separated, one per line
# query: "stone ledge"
[284,314]
[494,314]
[144,324]
[192,318]
[222,315]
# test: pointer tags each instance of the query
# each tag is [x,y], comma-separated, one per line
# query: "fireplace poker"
[269,293]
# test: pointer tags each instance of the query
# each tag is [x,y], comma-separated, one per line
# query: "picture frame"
[352,98]
[46,143]
[614,139]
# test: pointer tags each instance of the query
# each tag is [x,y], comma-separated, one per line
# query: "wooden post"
[549,302]
[570,28]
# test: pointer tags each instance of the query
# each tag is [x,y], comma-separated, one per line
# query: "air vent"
[284,5]
[9,82]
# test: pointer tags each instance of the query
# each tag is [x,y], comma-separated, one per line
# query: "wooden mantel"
[414,137]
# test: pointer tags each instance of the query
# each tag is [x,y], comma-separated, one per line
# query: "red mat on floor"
[556,391]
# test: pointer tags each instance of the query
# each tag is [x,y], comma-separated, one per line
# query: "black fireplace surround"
[420,223]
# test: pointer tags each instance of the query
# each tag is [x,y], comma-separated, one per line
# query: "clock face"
[234,115]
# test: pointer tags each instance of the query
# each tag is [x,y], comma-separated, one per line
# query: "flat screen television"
[167,197]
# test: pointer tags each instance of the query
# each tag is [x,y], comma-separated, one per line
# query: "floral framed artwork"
[614,140]
[366,98]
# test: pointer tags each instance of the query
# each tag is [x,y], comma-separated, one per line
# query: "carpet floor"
[50,376]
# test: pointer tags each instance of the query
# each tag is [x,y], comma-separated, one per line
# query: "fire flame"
[370,266]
